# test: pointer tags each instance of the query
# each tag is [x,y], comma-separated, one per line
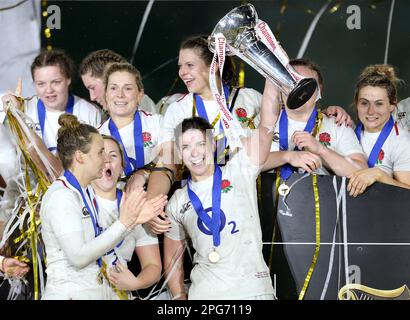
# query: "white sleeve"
[242,167]
[95,116]
[147,104]
[2,112]
[347,142]
[144,237]
[63,210]
[401,156]
[177,231]
[87,112]
[172,118]
[8,155]
[402,113]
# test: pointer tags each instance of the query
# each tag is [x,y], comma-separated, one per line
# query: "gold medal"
[283,189]
[214,256]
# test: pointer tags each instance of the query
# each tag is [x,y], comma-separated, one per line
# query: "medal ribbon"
[41,112]
[213,224]
[119,197]
[384,134]
[287,170]
[130,163]
[72,180]
[200,107]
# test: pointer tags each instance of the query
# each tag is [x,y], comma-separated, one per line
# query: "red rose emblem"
[241,113]
[324,137]
[146,137]
[225,184]
[381,155]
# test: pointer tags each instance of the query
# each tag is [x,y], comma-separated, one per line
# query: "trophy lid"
[233,24]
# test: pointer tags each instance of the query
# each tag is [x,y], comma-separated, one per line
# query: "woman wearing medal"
[139,240]
[244,103]
[92,74]
[136,130]
[52,73]
[311,141]
[73,238]
[194,64]
[218,211]
[385,142]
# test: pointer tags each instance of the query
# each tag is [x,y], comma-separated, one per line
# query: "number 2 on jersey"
[234,230]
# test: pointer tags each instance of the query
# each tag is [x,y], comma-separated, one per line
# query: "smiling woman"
[385,142]
[136,130]
[194,63]
[217,211]
[52,73]
[92,73]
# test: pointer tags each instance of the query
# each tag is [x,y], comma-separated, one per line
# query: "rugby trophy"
[251,40]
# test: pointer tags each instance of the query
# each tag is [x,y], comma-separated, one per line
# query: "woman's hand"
[342,117]
[138,179]
[136,209]
[131,206]
[152,208]
[160,224]
[14,268]
[10,101]
[308,161]
[360,180]
[305,141]
[121,277]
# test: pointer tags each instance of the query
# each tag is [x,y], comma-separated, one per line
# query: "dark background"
[342,53]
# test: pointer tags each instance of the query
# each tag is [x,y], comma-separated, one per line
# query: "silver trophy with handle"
[250,39]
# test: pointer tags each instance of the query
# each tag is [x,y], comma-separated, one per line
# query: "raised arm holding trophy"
[250,39]
[301,124]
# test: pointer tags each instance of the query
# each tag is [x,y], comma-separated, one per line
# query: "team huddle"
[133,178]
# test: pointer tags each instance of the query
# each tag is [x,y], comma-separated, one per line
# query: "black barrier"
[373,248]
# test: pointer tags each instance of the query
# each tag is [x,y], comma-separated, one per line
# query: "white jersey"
[341,139]
[83,110]
[395,153]
[140,236]
[9,168]
[147,104]
[246,107]
[151,126]
[241,271]
[8,154]
[163,104]
[66,229]
[402,114]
